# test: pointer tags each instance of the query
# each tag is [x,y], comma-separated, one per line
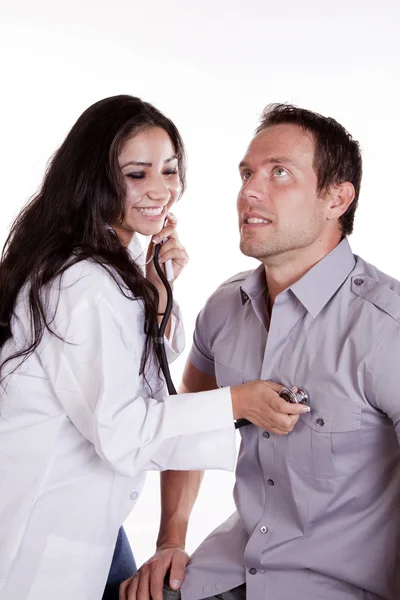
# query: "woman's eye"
[138,175]
[171,172]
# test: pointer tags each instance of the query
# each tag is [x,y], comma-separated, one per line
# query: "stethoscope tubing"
[161,329]
[298,397]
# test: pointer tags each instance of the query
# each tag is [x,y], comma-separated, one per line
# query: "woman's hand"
[171,250]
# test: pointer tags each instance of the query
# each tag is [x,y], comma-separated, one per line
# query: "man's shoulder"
[226,300]
[229,290]
[377,288]
[234,282]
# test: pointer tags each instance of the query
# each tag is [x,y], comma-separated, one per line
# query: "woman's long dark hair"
[65,222]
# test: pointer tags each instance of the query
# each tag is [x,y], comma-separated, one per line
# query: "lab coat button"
[266,434]
[271,482]
[133,495]
[252,571]
[320,422]
[263,529]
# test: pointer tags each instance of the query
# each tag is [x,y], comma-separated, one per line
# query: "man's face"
[279,209]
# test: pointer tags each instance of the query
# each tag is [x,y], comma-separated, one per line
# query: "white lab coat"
[78,430]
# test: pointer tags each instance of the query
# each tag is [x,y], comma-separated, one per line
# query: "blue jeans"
[123,566]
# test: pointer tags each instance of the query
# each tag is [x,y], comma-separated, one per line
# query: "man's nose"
[255,189]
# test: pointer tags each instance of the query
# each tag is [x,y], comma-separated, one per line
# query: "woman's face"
[150,167]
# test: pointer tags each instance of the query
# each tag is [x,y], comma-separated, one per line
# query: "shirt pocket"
[227,376]
[325,443]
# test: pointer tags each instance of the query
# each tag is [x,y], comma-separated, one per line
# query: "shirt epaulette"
[239,277]
[378,293]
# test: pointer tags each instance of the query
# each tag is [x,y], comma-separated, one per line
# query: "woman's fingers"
[178,255]
[168,231]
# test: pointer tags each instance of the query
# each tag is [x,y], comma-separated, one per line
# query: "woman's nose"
[158,189]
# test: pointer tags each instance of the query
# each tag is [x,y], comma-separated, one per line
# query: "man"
[317,509]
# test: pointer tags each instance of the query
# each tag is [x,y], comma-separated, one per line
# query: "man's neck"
[282,271]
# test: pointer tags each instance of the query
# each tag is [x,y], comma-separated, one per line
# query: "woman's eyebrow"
[146,164]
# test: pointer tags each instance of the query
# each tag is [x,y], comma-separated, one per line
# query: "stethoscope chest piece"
[299,397]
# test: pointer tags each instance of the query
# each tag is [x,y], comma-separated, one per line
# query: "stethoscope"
[162,355]
[299,397]
[159,334]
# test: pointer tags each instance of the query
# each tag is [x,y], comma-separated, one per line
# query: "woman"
[83,412]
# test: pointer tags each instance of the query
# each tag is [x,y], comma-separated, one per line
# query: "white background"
[211,66]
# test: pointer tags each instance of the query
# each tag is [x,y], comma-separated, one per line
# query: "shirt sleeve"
[384,377]
[201,355]
[94,372]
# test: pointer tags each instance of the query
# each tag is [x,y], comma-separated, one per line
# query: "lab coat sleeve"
[95,376]
[175,344]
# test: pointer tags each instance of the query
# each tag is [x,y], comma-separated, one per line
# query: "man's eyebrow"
[273,159]
[146,164]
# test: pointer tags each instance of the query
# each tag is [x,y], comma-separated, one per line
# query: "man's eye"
[246,175]
[280,172]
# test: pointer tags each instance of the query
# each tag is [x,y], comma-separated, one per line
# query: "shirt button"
[133,495]
[320,422]
[244,296]
[252,571]
[266,434]
[263,529]
[271,482]
[358,281]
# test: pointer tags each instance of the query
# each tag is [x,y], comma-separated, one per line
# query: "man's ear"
[340,196]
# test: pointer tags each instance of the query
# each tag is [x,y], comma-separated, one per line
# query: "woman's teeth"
[151,211]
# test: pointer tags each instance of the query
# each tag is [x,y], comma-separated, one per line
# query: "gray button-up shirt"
[318,513]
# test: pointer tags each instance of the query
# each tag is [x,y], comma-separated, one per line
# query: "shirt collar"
[319,284]
[316,287]
[254,284]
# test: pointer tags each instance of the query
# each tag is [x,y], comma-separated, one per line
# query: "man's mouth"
[256,221]
[252,218]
